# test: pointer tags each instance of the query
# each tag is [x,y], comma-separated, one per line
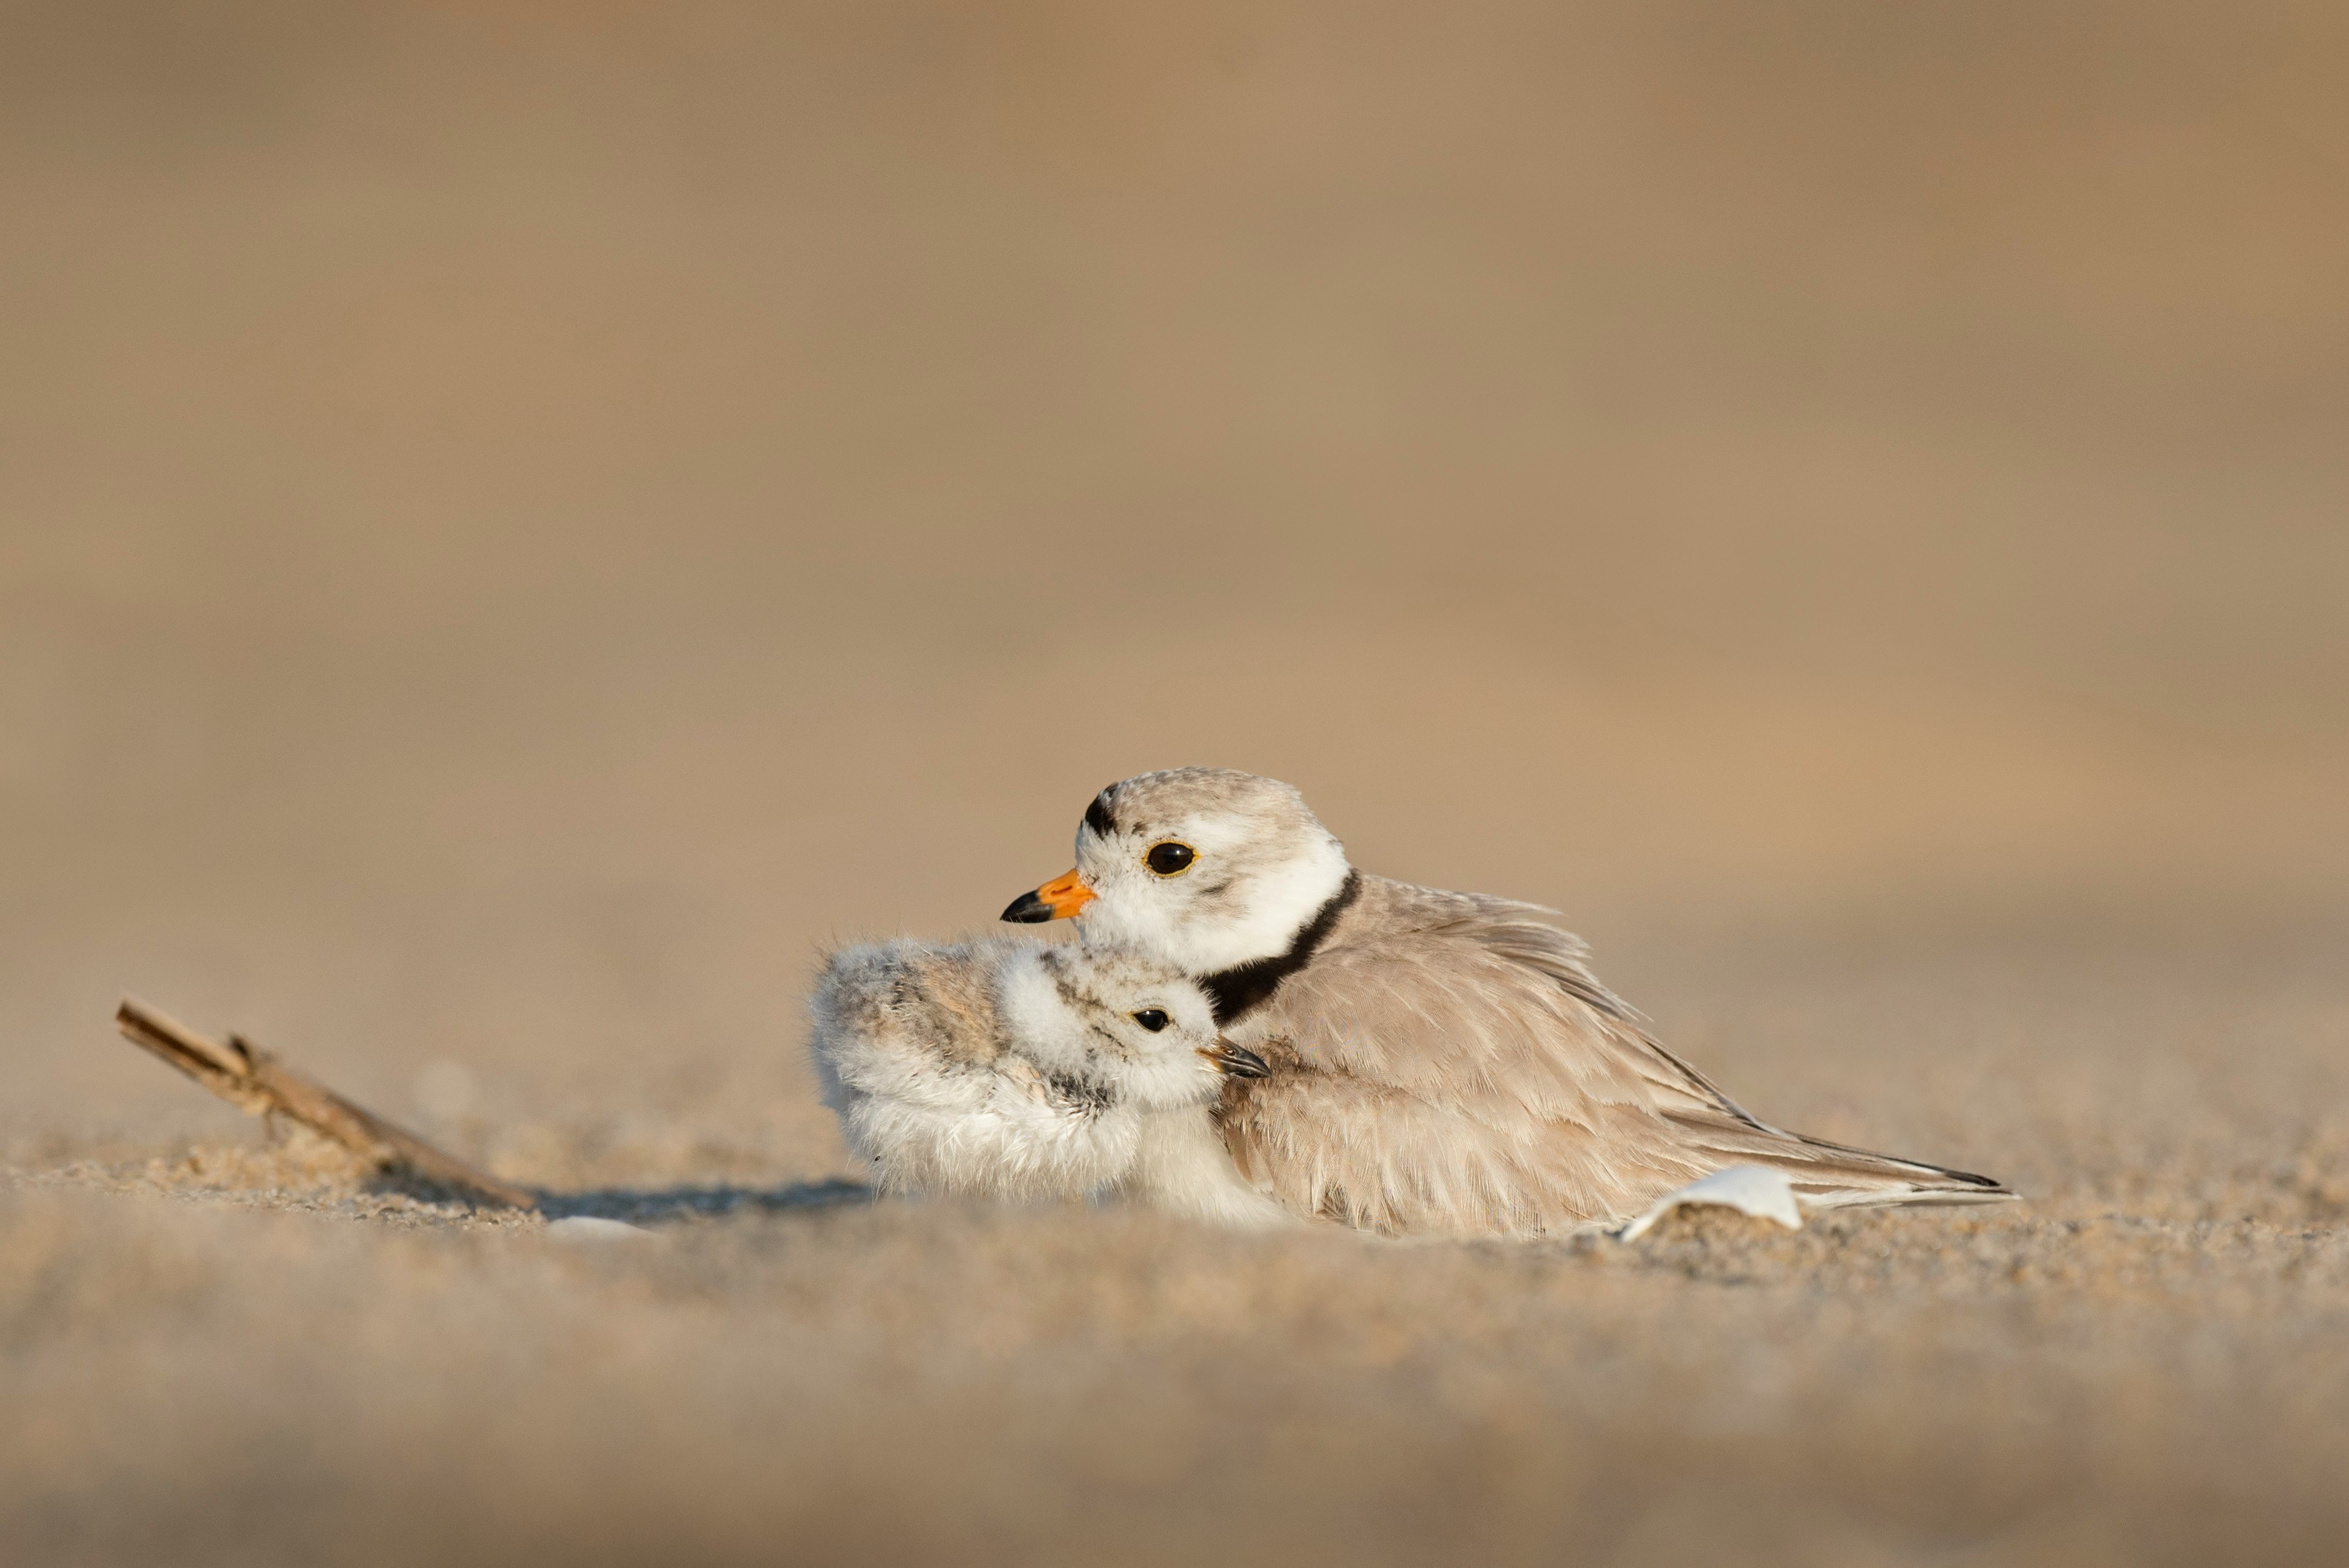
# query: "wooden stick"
[258,1083]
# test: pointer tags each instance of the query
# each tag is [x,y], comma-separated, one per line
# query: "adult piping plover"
[1439,1062]
[1008,1069]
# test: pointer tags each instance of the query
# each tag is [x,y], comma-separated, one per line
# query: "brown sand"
[519,522]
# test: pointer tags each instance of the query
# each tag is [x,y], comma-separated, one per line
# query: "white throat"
[1261,920]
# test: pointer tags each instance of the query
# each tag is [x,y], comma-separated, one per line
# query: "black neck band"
[1243,987]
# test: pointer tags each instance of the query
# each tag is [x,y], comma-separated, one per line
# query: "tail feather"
[1835,1176]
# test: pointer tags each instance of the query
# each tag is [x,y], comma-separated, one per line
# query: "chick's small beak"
[1236,1061]
[1056,900]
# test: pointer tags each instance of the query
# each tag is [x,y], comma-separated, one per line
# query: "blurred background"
[521,521]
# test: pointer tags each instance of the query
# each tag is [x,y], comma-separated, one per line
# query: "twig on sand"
[259,1084]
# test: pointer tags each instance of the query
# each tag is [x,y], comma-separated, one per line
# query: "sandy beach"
[520,525]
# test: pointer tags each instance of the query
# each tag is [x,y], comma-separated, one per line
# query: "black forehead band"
[1097,816]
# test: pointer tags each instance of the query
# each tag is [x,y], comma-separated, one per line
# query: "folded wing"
[1452,1067]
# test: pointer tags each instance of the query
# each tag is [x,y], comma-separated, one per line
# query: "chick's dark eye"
[1168,858]
[1152,1019]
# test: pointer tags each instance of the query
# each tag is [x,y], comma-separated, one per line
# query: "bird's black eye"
[1169,858]
[1152,1019]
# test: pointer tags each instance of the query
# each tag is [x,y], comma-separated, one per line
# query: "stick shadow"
[652,1206]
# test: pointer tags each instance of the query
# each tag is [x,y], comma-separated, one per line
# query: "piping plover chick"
[1007,1070]
[1440,1063]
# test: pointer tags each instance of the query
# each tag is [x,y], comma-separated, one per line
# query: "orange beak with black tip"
[1056,900]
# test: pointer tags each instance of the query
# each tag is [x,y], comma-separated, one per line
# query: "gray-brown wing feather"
[1451,1066]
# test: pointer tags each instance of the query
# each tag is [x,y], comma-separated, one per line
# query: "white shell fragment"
[587,1228]
[1748,1188]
